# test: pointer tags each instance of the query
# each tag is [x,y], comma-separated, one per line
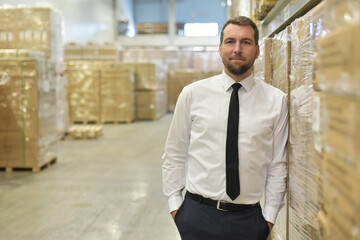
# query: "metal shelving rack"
[282,14]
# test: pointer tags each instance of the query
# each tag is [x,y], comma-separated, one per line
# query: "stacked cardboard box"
[35,28]
[280,62]
[303,188]
[40,29]
[207,61]
[262,65]
[117,94]
[336,120]
[281,59]
[150,85]
[177,80]
[152,28]
[151,105]
[27,116]
[100,92]
[83,92]
[91,51]
[338,131]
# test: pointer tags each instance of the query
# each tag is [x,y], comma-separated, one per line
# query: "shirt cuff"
[175,202]
[270,213]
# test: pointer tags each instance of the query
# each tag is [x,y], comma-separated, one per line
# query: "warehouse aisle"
[109,188]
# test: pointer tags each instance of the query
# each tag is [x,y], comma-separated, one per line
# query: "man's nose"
[237,48]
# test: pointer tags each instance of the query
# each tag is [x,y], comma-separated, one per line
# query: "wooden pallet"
[117,122]
[29,169]
[85,132]
[85,122]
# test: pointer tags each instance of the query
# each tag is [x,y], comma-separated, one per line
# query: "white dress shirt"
[194,155]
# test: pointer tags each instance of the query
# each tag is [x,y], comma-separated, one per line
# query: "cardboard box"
[27,114]
[338,61]
[83,92]
[339,124]
[302,53]
[148,76]
[117,95]
[150,105]
[339,227]
[262,66]
[341,187]
[177,80]
[281,60]
[36,28]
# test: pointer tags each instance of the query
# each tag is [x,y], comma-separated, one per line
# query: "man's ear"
[257,51]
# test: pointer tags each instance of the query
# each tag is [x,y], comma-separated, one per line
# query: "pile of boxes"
[315,61]
[33,97]
[337,117]
[27,114]
[100,92]
[91,51]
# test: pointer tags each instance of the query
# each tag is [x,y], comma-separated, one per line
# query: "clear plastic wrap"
[100,92]
[336,121]
[149,76]
[338,60]
[83,92]
[303,187]
[108,51]
[27,116]
[117,94]
[280,59]
[177,80]
[207,61]
[262,65]
[35,28]
[150,105]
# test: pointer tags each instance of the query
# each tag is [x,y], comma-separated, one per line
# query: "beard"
[238,69]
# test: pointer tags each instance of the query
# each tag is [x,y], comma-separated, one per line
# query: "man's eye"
[230,41]
[247,43]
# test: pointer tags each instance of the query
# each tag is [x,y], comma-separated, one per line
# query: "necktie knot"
[236,86]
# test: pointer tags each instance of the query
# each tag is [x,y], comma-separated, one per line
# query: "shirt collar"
[246,83]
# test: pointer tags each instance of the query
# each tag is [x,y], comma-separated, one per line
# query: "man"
[220,204]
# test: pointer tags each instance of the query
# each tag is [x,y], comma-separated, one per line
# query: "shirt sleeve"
[176,151]
[277,169]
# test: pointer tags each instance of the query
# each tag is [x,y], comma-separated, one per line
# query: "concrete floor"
[109,188]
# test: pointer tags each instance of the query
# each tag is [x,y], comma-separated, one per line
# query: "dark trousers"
[198,221]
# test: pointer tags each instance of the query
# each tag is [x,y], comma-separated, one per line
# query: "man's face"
[238,50]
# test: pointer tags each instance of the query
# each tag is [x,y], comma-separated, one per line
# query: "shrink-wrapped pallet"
[280,59]
[207,61]
[338,57]
[303,186]
[27,115]
[117,94]
[100,92]
[35,28]
[150,105]
[336,124]
[83,92]
[40,29]
[148,76]
[262,65]
[91,51]
[177,80]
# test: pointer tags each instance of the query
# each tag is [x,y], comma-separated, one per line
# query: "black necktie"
[232,152]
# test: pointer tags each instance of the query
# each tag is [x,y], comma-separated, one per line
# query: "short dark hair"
[241,21]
